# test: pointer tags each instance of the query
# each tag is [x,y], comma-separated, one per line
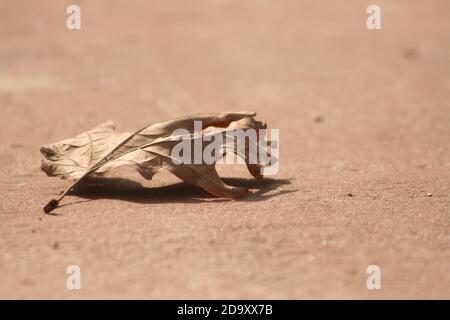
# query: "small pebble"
[410,53]
[318,119]
[429,194]
[349,194]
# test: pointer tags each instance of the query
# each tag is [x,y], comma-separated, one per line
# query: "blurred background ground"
[360,112]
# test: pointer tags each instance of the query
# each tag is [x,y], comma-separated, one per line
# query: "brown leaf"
[148,150]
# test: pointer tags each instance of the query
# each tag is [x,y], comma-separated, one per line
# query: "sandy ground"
[361,112]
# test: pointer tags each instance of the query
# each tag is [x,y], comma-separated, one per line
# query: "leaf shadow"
[133,191]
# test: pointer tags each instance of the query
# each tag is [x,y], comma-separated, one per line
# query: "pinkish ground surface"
[383,97]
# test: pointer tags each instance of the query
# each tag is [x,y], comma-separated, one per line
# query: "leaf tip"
[249,113]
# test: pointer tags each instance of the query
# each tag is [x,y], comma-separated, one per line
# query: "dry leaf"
[148,150]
